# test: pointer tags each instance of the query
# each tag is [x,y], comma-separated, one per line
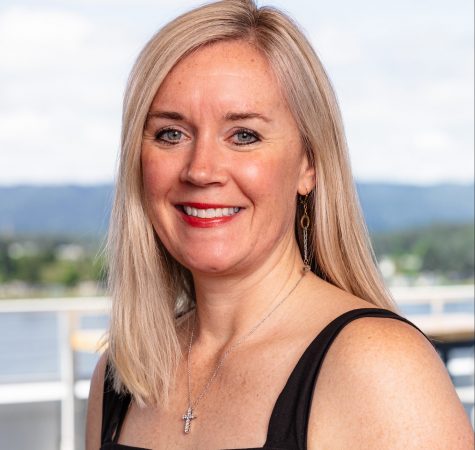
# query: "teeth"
[210,212]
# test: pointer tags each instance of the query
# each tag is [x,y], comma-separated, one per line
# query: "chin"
[207,256]
[214,267]
[211,265]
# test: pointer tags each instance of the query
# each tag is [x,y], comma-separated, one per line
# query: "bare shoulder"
[383,385]
[94,406]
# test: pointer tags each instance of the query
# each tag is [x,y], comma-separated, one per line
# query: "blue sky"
[403,73]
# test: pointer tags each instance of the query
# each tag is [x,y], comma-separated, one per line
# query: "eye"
[169,136]
[245,137]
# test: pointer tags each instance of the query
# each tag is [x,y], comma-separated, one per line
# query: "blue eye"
[245,137]
[169,136]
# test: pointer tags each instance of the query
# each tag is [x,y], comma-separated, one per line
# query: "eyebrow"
[165,115]
[229,117]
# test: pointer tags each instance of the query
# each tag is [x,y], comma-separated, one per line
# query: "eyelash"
[159,136]
[249,132]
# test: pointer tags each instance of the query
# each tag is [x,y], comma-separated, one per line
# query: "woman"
[238,255]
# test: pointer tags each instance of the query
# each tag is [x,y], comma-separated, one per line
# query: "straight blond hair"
[148,286]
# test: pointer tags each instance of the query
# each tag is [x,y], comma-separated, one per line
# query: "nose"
[205,165]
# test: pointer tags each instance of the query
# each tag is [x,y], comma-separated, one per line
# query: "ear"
[307,176]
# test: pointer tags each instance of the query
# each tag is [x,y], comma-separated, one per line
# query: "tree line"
[47,262]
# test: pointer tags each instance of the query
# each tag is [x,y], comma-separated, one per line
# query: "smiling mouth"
[209,213]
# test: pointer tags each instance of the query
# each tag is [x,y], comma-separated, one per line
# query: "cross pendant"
[188,417]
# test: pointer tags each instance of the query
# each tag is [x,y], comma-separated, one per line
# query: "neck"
[229,307]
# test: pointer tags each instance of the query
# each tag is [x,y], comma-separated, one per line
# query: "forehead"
[232,54]
[225,71]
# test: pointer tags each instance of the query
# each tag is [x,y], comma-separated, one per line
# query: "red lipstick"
[200,222]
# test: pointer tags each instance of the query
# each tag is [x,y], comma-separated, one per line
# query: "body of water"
[30,352]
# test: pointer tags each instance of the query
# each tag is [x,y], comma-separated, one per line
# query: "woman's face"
[222,161]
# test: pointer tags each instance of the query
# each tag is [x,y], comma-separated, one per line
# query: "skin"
[378,371]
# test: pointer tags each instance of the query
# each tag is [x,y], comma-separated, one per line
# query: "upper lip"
[206,205]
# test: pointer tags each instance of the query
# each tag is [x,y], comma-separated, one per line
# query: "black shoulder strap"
[289,420]
[114,409]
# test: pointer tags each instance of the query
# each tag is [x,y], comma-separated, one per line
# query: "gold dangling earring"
[305,224]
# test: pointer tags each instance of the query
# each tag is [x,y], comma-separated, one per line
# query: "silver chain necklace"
[189,416]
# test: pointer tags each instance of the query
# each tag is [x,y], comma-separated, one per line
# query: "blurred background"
[403,73]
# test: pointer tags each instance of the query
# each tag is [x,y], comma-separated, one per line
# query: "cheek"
[156,175]
[152,183]
[270,180]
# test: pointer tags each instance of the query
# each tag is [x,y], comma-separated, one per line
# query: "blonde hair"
[148,286]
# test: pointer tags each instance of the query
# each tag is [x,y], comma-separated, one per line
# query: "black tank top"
[289,420]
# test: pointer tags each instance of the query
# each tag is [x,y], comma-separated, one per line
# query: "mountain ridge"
[85,209]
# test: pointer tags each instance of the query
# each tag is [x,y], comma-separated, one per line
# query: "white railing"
[72,339]
[68,310]
[435,296]
[461,325]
